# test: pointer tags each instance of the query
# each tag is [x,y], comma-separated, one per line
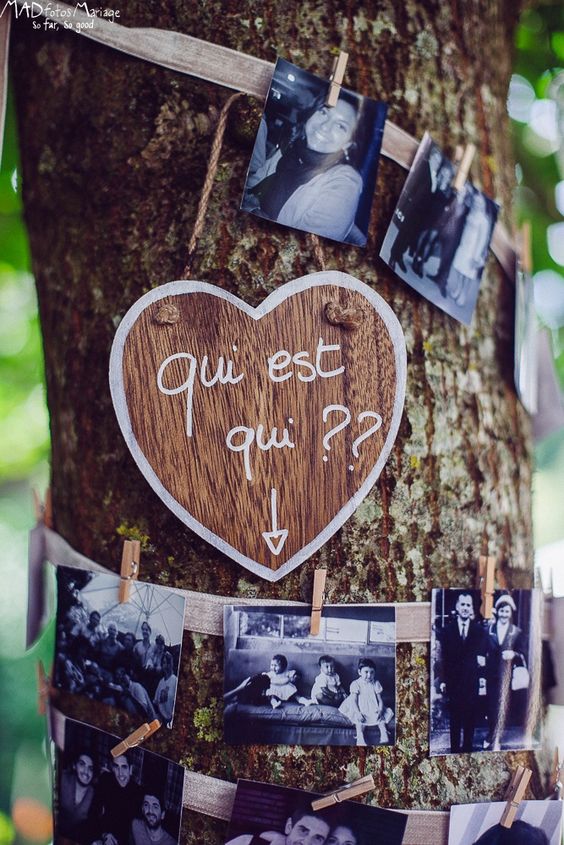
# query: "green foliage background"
[539,60]
[24,437]
[24,452]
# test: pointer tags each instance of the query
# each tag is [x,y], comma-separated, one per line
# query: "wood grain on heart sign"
[261,429]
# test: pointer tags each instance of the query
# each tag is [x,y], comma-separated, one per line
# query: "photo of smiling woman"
[314,166]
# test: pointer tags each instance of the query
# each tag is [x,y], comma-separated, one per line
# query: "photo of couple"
[485,674]
[132,799]
[124,654]
[439,236]
[274,815]
[284,686]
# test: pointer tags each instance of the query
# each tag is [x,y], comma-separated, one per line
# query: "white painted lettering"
[273,365]
[244,446]
[223,374]
[187,385]
[299,360]
[251,436]
[321,350]
[272,441]
[220,375]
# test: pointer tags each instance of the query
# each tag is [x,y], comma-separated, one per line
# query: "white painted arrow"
[275,539]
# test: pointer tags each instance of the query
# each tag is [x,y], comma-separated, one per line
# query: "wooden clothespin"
[464,167]
[48,509]
[319,578]
[486,583]
[336,78]
[352,790]
[129,567]
[43,511]
[43,688]
[37,505]
[525,247]
[515,794]
[136,738]
[557,768]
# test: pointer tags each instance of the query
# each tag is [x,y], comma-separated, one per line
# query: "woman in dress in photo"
[311,182]
[470,257]
[364,705]
[504,652]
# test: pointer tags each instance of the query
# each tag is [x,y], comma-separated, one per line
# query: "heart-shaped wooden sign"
[263,428]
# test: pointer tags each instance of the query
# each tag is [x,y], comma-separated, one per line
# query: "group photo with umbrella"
[124,654]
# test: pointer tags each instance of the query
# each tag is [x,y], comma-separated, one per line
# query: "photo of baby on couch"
[283,685]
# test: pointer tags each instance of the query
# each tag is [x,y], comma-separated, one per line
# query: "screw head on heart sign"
[262,428]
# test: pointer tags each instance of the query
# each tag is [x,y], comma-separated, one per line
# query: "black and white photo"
[264,813]
[314,166]
[283,685]
[439,236]
[124,654]
[536,823]
[132,799]
[485,673]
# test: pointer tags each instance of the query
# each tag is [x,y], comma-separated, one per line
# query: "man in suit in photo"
[462,655]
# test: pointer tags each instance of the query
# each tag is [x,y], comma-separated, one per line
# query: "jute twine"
[208,185]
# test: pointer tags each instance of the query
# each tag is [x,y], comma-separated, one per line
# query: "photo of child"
[275,686]
[327,687]
[364,705]
[283,685]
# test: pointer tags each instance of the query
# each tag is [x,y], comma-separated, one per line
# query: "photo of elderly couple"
[123,654]
[132,799]
[536,823]
[485,673]
[314,166]
[275,815]
[282,685]
[439,236]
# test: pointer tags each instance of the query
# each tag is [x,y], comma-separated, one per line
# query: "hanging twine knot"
[167,315]
[317,250]
[349,317]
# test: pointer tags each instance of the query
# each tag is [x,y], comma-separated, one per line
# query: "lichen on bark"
[114,153]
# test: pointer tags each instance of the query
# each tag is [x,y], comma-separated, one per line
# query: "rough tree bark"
[114,153]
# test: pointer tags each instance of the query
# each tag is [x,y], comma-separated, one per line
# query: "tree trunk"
[114,154]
